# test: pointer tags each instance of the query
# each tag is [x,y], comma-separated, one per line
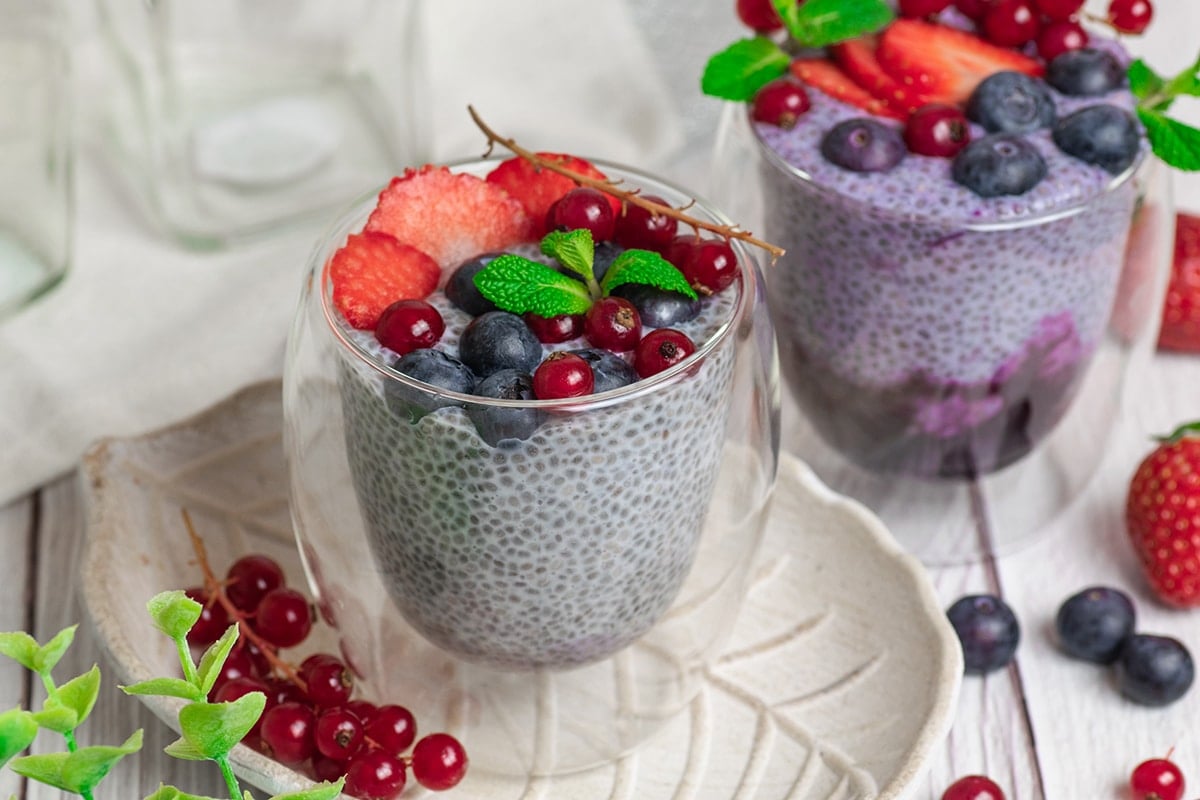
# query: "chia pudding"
[926,329]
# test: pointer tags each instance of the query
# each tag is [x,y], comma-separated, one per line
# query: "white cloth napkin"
[142,333]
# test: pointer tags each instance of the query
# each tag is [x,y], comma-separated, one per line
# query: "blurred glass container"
[235,118]
[36,189]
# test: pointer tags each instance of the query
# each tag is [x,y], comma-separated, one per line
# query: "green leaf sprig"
[1175,142]
[520,285]
[740,70]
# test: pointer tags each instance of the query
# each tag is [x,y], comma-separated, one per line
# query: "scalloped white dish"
[841,677]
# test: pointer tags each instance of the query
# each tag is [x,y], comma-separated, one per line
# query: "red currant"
[554,330]
[287,730]
[1130,16]
[1157,779]
[1060,37]
[638,228]
[937,130]
[1011,23]
[338,734]
[363,709]
[613,324]
[563,375]
[213,622]
[283,691]
[708,264]
[283,618]
[375,775]
[759,15]
[408,325]
[1059,9]
[439,762]
[249,578]
[921,8]
[975,9]
[973,787]
[327,681]
[780,103]
[327,769]
[392,728]
[258,659]
[583,208]
[660,350]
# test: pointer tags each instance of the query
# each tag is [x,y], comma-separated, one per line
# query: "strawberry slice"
[372,270]
[857,59]
[448,216]
[538,188]
[944,65]
[1181,314]
[829,78]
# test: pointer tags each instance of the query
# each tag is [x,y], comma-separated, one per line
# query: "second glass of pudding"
[552,598]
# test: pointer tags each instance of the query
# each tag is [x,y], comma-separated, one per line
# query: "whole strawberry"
[1181,313]
[1162,516]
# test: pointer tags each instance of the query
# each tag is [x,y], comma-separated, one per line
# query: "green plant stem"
[231,781]
[185,660]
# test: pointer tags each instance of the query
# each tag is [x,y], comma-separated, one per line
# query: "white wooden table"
[1046,727]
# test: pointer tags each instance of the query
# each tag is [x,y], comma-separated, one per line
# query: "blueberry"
[1103,135]
[1154,670]
[1085,73]
[987,629]
[658,308]
[462,291]
[499,340]
[434,368]
[1011,102]
[497,424]
[999,164]
[863,145]
[609,369]
[1094,623]
[606,254]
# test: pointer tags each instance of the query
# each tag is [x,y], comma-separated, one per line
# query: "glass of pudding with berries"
[532,430]
[955,187]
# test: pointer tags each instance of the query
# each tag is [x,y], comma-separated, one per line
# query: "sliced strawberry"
[944,65]
[1181,314]
[451,217]
[538,188]
[829,78]
[857,59]
[373,270]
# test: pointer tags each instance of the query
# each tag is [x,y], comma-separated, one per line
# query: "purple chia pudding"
[924,329]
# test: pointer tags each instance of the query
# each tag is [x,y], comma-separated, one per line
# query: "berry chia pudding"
[955,214]
[533,488]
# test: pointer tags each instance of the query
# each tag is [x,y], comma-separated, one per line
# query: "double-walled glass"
[556,599]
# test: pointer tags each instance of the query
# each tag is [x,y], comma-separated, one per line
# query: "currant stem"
[626,196]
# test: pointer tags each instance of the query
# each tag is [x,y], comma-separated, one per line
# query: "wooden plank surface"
[16,535]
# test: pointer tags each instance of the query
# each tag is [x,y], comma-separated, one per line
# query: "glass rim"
[793,172]
[746,281]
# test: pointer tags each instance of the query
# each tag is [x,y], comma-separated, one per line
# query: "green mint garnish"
[1174,142]
[575,250]
[645,266]
[740,70]
[516,284]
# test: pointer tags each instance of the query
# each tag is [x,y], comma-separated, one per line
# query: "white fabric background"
[142,333]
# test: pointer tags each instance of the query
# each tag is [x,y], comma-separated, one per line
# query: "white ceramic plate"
[840,678]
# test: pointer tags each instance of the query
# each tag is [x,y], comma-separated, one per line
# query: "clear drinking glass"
[554,600]
[232,118]
[948,371]
[36,151]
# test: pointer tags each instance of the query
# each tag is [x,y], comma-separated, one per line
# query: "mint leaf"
[87,766]
[820,23]
[214,728]
[79,694]
[174,613]
[516,284]
[165,687]
[20,647]
[17,731]
[574,249]
[322,791]
[1143,81]
[52,651]
[1175,143]
[214,658]
[648,267]
[740,70]
[44,768]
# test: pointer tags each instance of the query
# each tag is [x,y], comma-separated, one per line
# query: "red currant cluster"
[973,787]
[312,721]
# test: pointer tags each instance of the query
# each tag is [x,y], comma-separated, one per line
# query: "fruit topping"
[759,15]
[434,368]
[450,216]
[1085,73]
[1094,623]
[988,631]
[1104,135]
[462,291]
[553,330]
[656,307]
[863,145]
[1059,10]
[999,164]
[830,79]
[857,59]
[1011,23]
[609,370]
[1154,670]
[973,787]
[613,324]
[937,130]
[537,188]
[708,265]
[1157,779]
[496,424]
[1011,102]
[407,325]
[972,9]
[660,350]
[605,254]
[372,271]
[499,340]
[1181,312]
[583,208]
[944,64]
[562,375]
[638,227]
[1130,16]
[1061,37]
[922,8]
[780,103]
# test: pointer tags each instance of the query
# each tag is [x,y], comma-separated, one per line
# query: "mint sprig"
[1175,142]
[740,70]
